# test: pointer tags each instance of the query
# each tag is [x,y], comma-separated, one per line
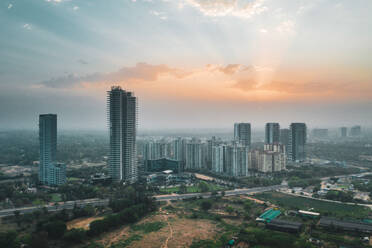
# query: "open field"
[175,231]
[325,208]
[81,222]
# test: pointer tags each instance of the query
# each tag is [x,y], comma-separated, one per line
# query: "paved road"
[227,193]
[52,208]
[105,202]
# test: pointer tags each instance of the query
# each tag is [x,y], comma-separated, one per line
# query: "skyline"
[191,63]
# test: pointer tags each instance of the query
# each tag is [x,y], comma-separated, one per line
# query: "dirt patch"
[179,233]
[81,222]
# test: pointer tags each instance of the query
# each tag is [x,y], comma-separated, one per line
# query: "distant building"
[355,131]
[163,164]
[194,155]
[217,158]
[320,133]
[284,137]
[242,133]
[272,133]
[276,147]
[50,172]
[122,118]
[232,160]
[343,132]
[297,142]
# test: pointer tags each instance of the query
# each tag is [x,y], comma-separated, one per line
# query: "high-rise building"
[297,141]
[48,144]
[122,118]
[284,137]
[50,172]
[272,133]
[233,160]
[194,156]
[242,133]
[343,131]
[355,131]
[217,159]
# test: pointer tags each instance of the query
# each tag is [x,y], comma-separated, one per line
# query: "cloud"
[229,69]
[27,26]
[235,8]
[139,73]
[286,27]
[262,30]
[10,6]
[161,15]
[82,61]
[245,85]
[75,8]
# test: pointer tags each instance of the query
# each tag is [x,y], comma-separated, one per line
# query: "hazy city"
[185,123]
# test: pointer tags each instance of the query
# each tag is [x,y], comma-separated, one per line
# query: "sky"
[191,63]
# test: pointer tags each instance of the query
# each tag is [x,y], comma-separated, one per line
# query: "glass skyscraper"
[272,133]
[50,172]
[297,142]
[122,118]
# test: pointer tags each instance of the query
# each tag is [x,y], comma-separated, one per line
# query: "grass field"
[192,189]
[56,197]
[325,208]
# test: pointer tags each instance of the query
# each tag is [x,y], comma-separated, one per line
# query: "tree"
[8,239]
[206,205]
[75,235]
[203,186]
[55,229]
[39,240]
[183,189]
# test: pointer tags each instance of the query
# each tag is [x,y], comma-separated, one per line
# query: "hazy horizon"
[191,63]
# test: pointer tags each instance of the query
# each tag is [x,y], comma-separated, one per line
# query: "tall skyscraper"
[343,131]
[50,172]
[272,133]
[284,137]
[297,141]
[194,156]
[242,133]
[122,118]
[48,144]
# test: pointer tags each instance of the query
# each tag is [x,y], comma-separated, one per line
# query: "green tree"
[55,229]
[203,187]
[206,205]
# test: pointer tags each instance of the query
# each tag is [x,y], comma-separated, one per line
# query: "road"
[58,207]
[105,202]
[227,193]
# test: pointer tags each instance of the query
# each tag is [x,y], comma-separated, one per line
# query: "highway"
[227,193]
[105,202]
[57,207]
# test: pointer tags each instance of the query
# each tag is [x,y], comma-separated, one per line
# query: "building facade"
[242,133]
[50,172]
[297,141]
[272,133]
[194,156]
[122,119]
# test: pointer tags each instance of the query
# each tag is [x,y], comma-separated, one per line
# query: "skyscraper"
[343,131]
[48,144]
[272,133]
[297,141]
[194,156]
[50,172]
[122,118]
[284,137]
[242,133]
